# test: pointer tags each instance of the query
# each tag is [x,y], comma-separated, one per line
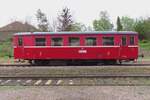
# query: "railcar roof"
[94,32]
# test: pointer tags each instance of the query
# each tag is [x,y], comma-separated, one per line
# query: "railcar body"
[76,46]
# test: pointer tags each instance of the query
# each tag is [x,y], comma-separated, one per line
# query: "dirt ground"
[75,93]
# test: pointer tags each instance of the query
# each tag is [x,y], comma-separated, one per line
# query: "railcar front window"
[20,42]
[90,41]
[124,40]
[131,40]
[56,42]
[108,41]
[73,41]
[40,41]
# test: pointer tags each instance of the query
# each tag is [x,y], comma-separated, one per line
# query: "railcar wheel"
[41,62]
[37,62]
[110,62]
[113,62]
[31,62]
[58,62]
[119,62]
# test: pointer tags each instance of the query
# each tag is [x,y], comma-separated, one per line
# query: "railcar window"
[40,41]
[90,41]
[74,41]
[108,40]
[131,40]
[56,42]
[124,40]
[20,42]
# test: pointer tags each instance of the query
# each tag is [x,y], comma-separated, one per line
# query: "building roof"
[8,30]
[60,33]
[17,26]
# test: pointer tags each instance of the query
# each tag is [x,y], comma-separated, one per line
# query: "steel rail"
[95,79]
[74,76]
[28,65]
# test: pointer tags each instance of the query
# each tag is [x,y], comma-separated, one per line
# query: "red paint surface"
[30,51]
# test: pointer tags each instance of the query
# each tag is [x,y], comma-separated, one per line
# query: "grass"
[6,59]
[145,48]
[145,45]
[2,88]
[6,48]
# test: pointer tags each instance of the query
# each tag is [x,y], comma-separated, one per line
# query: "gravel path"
[75,93]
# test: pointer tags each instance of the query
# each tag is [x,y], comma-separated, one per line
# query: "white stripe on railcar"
[70,46]
[133,46]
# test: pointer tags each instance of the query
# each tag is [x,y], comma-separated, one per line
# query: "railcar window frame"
[124,40]
[76,42]
[89,43]
[20,41]
[109,41]
[41,43]
[58,43]
[132,40]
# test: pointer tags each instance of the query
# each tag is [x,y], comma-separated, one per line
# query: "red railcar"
[44,47]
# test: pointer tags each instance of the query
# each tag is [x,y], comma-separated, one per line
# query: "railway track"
[77,80]
[21,74]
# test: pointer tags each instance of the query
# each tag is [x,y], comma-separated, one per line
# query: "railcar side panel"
[71,53]
[28,50]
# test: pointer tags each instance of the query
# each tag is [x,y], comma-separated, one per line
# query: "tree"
[139,27]
[43,23]
[119,26]
[65,20]
[78,27]
[89,28]
[142,26]
[127,23]
[53,26]
[103,23]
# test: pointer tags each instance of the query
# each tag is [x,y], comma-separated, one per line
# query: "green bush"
[6,49]
[144,41]
[145,44]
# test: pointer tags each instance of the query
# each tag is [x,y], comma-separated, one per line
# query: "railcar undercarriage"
[77,62]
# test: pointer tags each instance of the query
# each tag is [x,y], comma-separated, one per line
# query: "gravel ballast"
[75,93]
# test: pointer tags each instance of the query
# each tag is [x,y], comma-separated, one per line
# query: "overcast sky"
[84,11]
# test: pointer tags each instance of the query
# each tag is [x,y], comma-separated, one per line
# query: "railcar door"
[20,50]
[123,48]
